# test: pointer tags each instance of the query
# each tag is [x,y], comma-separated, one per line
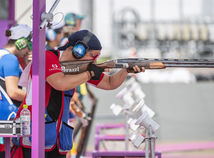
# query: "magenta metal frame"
[38,82]
[99,137]
[3,25]
[97,154]
[108,126]
[7,23]
[11,13]
[7,144]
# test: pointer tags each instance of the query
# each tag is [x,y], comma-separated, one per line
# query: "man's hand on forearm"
[135,69]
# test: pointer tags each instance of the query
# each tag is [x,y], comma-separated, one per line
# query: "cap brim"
[80,17]
[65,46]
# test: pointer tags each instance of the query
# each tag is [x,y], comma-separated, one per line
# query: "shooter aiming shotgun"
[75,67]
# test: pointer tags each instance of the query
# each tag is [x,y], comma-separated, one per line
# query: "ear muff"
[21,43]
[24,42]
[30,45]
[50,35]
[81,47]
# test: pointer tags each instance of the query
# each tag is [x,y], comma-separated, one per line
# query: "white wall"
[23,11]
[64,7]
[103,23]
[104,11]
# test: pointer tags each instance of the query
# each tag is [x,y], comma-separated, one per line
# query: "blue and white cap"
[92,44]
[71,18]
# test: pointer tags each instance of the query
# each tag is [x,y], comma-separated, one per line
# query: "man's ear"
[69,49]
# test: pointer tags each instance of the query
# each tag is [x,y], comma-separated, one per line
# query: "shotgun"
[75,67]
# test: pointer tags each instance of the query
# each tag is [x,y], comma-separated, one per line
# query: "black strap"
[56,52]
[15,102]
[68,95]
[55,98]
[13,151]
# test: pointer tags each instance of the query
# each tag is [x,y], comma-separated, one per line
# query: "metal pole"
[44,21]
[54,6]
[147,144]
[38,82]
[152,143]
[127,131]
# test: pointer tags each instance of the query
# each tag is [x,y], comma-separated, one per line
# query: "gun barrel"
[189,63]
[211,61]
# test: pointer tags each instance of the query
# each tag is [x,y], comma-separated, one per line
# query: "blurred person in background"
[54,36]
[24,61]
[19,45]
[73,24]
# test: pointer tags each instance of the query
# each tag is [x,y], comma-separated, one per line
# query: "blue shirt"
[9,66]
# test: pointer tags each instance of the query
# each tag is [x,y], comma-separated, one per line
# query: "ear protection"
[22,43]
[50,34]
[81,47]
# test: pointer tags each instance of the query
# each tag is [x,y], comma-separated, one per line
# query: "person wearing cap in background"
[54,35]
[73,24]
[82,45]
[74,21]
[18,45]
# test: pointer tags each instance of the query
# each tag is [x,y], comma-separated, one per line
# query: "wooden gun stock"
[75,67]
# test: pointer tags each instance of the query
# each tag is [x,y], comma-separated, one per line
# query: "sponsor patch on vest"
[54,67]
[76,69]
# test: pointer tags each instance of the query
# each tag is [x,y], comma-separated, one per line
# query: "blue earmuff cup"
[50,34]
[79,51]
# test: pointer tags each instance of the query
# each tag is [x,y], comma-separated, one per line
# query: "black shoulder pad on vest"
[15,102]
[56,52]
[54,104]
[55,99]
